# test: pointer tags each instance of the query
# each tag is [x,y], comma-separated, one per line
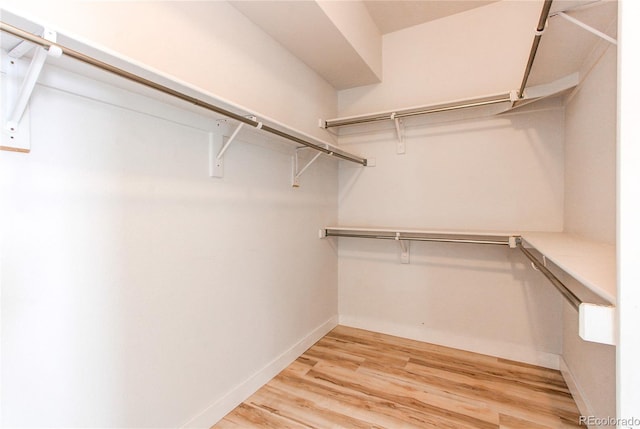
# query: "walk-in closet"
[319,214]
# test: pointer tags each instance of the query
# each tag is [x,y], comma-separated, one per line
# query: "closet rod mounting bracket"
[30,79]
[404,249]
[19,87]
[296,170]
[400,146]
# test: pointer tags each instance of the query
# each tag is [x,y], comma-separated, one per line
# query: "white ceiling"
[306,31]
[394,15]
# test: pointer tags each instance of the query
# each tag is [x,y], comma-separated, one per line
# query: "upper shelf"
[564,55]
[499,103]
[17,28]
[591,263]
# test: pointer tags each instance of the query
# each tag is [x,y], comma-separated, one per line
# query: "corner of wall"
[222,406]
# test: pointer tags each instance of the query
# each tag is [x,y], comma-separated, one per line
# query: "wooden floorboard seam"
[353,378]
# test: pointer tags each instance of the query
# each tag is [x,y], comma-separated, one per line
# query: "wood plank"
[353,378]
[378,413]
[541,409]
[411,399]
[304,409]
[248,416]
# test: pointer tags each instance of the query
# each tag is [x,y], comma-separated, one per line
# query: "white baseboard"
[222,406]
[499,349]
[578,396]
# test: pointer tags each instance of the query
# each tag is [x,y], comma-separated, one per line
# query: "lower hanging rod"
[440,239]
[564,291]
[15,31]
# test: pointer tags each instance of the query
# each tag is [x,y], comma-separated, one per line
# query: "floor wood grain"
[359,379]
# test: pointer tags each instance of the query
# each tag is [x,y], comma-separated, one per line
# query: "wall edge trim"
[500,349]
[578,395]
[222,406]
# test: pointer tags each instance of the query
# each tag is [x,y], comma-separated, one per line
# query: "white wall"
[357,26]
[503,173]
[136,290]
[628,350]
[590,211]
[590,154]
[500,173]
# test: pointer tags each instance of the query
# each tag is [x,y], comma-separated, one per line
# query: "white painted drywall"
[501,173]
[628,371]
[590,154]
[504,173]
[338,40]
[590,211]
[352,19]
[470,54]
[208,44]
[136,290]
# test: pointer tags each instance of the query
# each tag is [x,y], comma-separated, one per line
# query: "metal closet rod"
[446,107]
[564,291]
[542,22]
[427,236]
[15,31]
[507,240]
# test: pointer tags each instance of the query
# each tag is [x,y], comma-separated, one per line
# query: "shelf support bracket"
[229,141]
[404,249]
[28,84]
[589,28]
[297,173]
[400,146]
[216,161]
[513,97]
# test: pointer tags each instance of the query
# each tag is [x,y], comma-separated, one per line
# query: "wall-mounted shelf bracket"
[17,100]
[216,163]
[404,249]
[544,264]
[589,28]
[400,146]
[296,171]
[229,141]
[513,96]
[216,156]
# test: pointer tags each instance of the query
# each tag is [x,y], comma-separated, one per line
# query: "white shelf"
[591,263]
[97,62]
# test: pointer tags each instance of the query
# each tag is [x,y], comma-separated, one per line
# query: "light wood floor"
[358,379]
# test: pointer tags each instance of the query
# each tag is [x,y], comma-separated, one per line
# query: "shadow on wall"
[484,291]
[502,173]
